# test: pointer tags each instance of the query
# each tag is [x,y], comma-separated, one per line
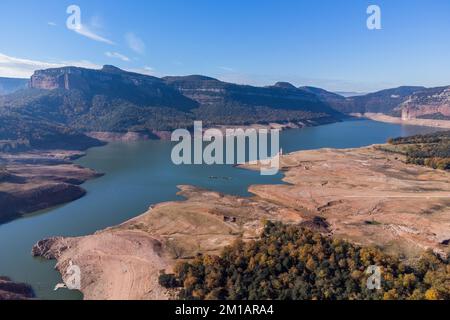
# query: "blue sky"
[323,43]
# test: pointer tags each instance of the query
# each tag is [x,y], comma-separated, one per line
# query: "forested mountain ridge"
[114,100]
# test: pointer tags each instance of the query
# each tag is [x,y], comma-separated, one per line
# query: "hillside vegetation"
[21,133]
[113,100]
[431,150]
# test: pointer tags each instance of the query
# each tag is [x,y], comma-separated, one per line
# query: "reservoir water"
[140,174]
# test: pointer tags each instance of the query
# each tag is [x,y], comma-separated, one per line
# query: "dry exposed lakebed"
[363,195]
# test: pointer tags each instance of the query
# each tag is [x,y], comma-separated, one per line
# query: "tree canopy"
[290,262]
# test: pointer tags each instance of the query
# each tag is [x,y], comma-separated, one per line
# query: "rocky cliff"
[112,83]
[427,104]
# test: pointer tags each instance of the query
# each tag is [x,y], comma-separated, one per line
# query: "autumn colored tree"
[290,262]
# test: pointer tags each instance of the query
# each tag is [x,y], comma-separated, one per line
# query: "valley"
[264,156]
[67,112]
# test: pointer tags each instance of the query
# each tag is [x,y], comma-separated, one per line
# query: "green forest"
[293,263]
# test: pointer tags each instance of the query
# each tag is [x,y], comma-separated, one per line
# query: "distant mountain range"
[350,93]
[406,102]
[10,85]
[60,106]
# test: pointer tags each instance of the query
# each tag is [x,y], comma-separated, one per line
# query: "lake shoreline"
[128,188]
[38,180]
[61,184]
[107,136]
[206,221]
[440,124]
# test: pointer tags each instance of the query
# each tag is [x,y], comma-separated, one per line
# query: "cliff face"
[112,83]
[384,101]
[407,102]
[430,103]
[44,80]
[74,78]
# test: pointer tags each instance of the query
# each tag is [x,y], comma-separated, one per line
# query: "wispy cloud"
[135,43]
[86,32]
[15,67]
[51,24]
[117,56]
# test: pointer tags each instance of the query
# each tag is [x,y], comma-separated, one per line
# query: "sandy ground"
[368,197]
[365,195]
[116,264]
[444,124]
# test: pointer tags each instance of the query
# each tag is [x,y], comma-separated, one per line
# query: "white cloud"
[23,68]
[117,56]
[51,24]
[135,43]
[86,32]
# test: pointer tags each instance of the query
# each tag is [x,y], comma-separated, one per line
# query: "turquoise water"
[140,174]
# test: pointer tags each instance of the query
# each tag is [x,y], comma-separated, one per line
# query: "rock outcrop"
[427,104]
[46,248]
